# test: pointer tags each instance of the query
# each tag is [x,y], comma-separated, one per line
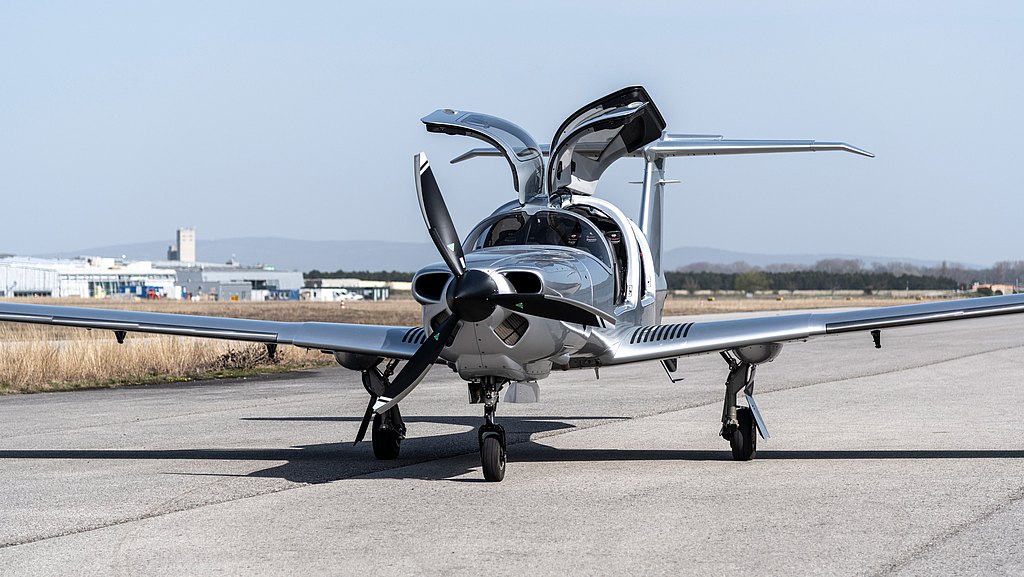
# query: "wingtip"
[860,151]
[823,146]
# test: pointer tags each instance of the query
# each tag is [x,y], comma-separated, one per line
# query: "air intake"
[429,287]
[524,282]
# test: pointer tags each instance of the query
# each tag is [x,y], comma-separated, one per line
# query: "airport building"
[96,277]
[236,283]
[87,277]
[344,289]
[181,276]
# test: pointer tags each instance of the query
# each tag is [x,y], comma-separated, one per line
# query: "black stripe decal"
[686,331]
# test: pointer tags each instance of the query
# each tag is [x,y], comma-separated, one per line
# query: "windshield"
[546,227]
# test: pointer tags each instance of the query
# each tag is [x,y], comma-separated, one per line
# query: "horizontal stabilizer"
[689,147]
[702,145]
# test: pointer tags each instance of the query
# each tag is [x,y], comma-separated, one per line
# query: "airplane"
[555,279]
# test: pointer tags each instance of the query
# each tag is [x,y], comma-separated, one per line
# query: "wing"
[384,341]
[676,340]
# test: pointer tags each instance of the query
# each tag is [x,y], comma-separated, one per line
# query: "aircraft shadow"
[326,462]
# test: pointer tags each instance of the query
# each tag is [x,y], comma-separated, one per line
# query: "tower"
[187,244]
[185,249]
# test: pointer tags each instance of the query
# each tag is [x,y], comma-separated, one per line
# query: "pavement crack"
[919,552]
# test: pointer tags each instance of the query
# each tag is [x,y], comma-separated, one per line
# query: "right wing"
[658,342]
[384,341]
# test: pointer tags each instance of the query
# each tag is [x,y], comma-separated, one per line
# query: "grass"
[92,359]
[37,358]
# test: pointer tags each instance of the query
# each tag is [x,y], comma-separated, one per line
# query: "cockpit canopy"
[543,227]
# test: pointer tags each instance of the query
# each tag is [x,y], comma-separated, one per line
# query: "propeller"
[439,220]
[367,417]
[472,296]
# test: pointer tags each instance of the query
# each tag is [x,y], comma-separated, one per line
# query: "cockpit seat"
[507,238]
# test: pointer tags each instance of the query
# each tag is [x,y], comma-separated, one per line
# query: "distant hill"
[330,255]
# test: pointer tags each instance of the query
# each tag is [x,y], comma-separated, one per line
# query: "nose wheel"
[492,457]
[492,435]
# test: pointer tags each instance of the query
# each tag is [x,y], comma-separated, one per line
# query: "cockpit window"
[546,227]
[506,232]
[558,229]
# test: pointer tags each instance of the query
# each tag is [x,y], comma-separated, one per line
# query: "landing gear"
[388,428]
[741,425]
[492,435]
[388,432]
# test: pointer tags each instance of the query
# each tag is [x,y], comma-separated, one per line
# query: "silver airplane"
[556,279]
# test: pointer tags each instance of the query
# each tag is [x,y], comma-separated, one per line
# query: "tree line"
[1003,272]
[752,281]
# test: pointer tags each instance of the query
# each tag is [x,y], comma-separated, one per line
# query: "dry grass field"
[89,359]
[41,358]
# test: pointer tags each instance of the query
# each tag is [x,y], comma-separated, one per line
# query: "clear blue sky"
[120,121]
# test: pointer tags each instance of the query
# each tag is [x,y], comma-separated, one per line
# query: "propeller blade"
[414,370]
[552,307]
[439,220]
[367,417]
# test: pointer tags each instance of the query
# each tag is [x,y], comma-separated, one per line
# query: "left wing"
[384,341]
[668,341]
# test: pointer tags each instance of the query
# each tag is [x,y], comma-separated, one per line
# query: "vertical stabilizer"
[652,203]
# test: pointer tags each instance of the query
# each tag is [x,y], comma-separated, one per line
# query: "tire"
[492,457]
[744,438]
[386,442]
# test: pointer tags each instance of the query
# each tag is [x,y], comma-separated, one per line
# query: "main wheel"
[492,457]
[744,438]
[386,441]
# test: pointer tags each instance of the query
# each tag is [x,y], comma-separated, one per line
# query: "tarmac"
[907,460]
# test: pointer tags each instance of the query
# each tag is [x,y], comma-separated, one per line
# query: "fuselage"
[585,251]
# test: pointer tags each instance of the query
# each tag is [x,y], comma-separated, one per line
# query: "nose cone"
[469,296]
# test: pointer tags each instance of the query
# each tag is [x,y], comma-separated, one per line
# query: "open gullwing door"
[514,143]
[597,135]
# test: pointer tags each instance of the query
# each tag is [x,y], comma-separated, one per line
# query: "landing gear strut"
[741,425]
[492,435]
